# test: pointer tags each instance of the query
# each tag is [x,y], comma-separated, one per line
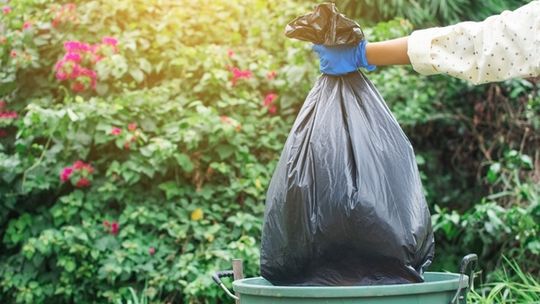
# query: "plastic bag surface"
[325,26]
[345,205]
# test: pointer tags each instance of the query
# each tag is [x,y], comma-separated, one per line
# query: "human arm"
[390,52]
[500,47]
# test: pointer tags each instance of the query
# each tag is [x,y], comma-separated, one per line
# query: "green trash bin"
[438,288]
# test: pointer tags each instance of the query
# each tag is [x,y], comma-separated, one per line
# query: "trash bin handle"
[468,262]
[217,278]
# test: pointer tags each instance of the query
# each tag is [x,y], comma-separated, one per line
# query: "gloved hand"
[340,60]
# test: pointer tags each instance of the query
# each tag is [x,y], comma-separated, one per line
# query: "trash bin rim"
[434,282]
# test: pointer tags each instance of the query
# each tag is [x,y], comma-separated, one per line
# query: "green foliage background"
[477,148]
[426,12]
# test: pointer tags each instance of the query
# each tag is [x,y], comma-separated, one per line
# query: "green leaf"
[145,65]
[526,161]
[107,242]
[534,247]
[72,116]
[420,160]
[119,67]
[184,161]
[225,151]
[137,74]
[102,88]
[171,189]
[69,265]
[493,171]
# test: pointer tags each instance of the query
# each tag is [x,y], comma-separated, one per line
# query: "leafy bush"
[477,151]
[141,145]
[424,12]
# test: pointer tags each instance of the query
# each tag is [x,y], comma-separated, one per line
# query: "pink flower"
[56,21]
[13,53]
[86,72]
[88,168]
[271,75]
[6,10]
[78,165]
[110,41]
[269,99]
[62,76]
[70,56]
[272,109]
[78,86]
[76,70]
[240,74]
[116,131]
[82,166]
[66,69]
[151,251]
[84,75]
[85,47]
[27,25]
[74,66]
[76,46]
[59,65]
[65,174]
[8,115]
[269,102]
[72,46]
[230,53]
[115,227]
[83,182]
[132,126]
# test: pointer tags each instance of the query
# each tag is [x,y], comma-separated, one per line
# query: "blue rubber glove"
[340,60]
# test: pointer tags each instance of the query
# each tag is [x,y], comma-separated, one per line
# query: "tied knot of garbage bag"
[325,26]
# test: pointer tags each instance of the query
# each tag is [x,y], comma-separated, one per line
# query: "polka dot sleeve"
[500,47]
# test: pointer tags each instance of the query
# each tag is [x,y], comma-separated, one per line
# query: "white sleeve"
[500,47]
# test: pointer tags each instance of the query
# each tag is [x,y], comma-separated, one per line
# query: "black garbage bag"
[345,205]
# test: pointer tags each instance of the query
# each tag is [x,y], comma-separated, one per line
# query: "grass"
[512,285]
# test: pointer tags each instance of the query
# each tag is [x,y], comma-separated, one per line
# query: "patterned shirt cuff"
[419,50]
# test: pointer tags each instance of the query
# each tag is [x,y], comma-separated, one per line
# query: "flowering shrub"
[79,174]
[78,61]
[139,160]
[112,228]
[269,102]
